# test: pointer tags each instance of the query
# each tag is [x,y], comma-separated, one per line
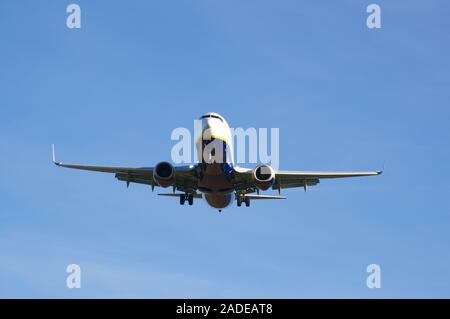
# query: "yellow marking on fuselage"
[220,138]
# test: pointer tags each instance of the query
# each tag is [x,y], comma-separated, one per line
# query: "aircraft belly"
[219,201]
[214,181]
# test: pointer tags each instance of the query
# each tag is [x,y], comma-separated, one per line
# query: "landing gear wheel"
[239,200]
[182,199]
[247,202]
[190,199]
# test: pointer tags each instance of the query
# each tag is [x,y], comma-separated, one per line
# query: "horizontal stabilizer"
[264,197]
[180,194]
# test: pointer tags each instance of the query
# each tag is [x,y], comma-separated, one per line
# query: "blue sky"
[344,97]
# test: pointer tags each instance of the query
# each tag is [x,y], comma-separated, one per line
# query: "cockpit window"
[211,116]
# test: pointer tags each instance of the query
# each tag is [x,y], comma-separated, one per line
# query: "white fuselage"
[215,154]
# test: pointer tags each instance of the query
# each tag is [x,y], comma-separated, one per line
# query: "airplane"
[216,178]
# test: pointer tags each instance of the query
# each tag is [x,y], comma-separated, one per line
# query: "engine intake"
[263,177]
[164,174]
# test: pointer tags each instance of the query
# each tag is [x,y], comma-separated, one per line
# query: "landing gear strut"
[186,197]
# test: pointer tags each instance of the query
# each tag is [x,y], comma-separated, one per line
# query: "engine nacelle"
[263,177]
[164,174]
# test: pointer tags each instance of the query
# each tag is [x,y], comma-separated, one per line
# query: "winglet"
[381,171]
[53,155]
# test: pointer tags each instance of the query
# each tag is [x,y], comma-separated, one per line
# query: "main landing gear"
[242,199]
[186,197]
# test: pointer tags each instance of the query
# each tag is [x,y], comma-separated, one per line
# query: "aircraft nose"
[212,115]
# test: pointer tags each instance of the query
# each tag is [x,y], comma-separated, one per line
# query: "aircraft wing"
[185,178]
[292,179]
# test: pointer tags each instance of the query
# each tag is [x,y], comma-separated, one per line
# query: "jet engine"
[263,177]
[164,174]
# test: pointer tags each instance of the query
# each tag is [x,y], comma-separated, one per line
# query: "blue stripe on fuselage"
[227,165]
